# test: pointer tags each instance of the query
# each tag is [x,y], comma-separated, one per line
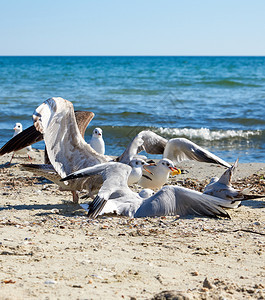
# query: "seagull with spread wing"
[170,200]
[222,187]
[66,148]
[177,149]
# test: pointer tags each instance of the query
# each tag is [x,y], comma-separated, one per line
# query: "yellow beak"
[176,172]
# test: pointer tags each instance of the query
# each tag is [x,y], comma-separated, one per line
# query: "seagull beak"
[175,171]
[147,170]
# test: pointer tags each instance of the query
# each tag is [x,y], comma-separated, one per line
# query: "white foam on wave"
[207,134]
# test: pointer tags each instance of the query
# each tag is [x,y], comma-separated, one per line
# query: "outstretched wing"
[31,135]
[115,177]
[66,148]
[153,143]
[25,138]
[227,175]
[174,200]
[179,149]
[131,150]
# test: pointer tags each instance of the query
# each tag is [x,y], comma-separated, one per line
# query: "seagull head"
[18,127]
[167,165]
[139,163]
[97,132]
[146,193]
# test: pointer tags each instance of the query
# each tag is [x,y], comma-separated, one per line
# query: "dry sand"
[50,250]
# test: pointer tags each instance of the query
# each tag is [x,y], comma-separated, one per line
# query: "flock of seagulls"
[75,165]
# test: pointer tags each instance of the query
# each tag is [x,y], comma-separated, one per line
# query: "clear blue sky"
[136,27]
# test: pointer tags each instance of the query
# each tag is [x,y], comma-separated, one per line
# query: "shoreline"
[49,249]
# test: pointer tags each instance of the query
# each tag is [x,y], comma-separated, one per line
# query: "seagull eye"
[168,164]
[137,162]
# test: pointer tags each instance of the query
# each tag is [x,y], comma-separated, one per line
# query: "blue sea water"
[217,102]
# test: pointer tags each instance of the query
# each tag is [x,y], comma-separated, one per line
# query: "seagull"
[160,173]
[67,149]
[25,150]
[170,200]
[177,149]
[137,166]
[92,184]
[97,142]
[222,187]
[30,135]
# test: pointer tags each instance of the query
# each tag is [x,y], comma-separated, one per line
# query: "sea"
[216,102]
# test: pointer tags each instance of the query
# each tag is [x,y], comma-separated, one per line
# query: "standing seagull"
[66,147]
[137,166]
[18,129]
[159,174]
[97,142]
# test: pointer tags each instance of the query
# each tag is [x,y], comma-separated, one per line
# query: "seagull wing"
[227,175]
[66,148]
[153,143]
[179,149]
[173,200]
[31,135]
[131,150]
[25,138]
[115,177]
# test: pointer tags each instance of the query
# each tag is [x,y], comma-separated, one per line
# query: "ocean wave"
[228,83]
[207,134]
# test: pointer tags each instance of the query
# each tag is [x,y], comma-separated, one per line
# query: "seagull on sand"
[66,148]
[170,200]
[137,165]
[159,174]
[222,187]
[25,150]
[30,135]
[97,142]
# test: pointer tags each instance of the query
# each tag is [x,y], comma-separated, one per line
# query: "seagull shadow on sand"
[66,209]
[259,203]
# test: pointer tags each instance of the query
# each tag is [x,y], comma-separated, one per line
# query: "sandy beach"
[51,250]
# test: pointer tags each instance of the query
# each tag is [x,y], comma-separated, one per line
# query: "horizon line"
[126,55]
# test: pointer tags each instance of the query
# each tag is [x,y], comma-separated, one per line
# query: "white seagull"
[97,142]
[222,187]
[18,129]
[137,165]
[66,148]
[170,200]
[159,174]
[177,149]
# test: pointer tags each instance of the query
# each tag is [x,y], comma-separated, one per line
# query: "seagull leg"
[75,197]
[11,159]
